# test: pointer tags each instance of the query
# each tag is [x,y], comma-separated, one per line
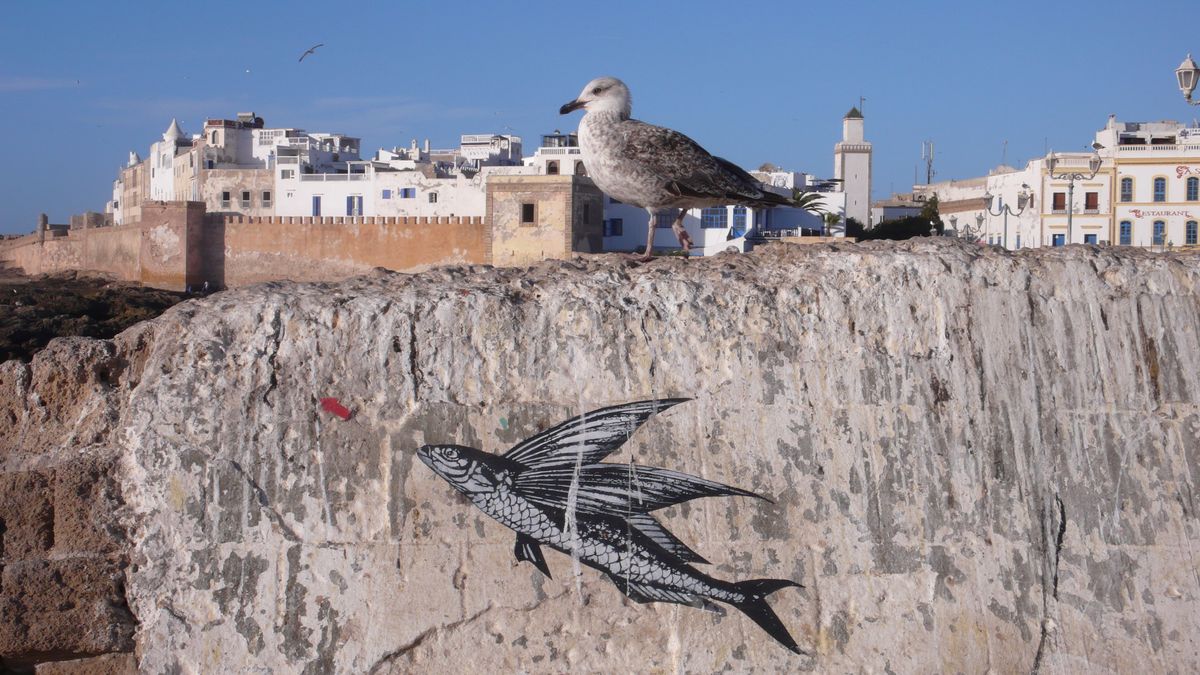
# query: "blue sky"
[82,83]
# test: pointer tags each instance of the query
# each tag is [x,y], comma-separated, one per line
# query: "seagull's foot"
[640,257]
[685,239]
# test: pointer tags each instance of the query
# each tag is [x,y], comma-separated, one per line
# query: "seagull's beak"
[568,107]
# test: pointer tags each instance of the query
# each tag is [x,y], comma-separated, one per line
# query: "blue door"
[316,205]
[1060,239]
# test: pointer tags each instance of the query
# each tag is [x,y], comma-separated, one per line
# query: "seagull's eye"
[597,91]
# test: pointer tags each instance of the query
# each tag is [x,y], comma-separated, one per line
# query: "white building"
[372,189]
[1156,187]
[162,161]
[558,155]
[1145,191]
[413,181]
[480,150]
[231,166]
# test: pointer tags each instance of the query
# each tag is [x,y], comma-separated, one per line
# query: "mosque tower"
[852,165]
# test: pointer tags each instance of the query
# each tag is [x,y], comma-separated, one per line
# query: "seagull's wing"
[588,438]
[311,50]
[688,169]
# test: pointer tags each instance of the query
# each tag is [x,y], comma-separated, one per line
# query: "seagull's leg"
[685,239]
[649,254]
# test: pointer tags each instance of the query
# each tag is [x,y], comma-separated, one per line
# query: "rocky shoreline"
[36,309]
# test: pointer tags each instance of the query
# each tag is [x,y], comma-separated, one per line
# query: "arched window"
[214,138]
[1160,232]
[1193,189]
[1126,189]
[1160,189]
[552,168]
[580,169]
[1126,233]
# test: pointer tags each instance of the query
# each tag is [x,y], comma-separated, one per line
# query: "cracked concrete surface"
[979,460]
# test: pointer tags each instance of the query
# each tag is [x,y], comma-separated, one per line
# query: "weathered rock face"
[978,460]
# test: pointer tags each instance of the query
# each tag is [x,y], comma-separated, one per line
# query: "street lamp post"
[1022,202]
[1072,176]
[1187,74]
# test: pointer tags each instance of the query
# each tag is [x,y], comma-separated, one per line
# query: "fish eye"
[597,90]
[450,453]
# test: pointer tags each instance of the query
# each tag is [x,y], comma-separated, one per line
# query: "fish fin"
[755,606]
[655,532]
[644,593]
[588,438]
[618,489]
[527,549]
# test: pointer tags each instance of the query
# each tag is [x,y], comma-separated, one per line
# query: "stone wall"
[977,461]
[63,549]
[558,226]
[169,254]
[330,248]
[236,181]
[115,251]
[177,244]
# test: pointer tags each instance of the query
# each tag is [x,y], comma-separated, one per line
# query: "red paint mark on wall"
[332,405]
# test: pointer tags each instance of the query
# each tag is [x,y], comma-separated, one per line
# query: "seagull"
[653,167]
[311,50]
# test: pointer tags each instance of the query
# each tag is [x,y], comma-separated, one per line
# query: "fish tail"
[755,606]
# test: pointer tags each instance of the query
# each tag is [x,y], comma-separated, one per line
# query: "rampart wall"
[175,245]
[256,249]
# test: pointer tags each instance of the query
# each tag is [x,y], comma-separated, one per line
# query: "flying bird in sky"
[311,50]
[654,167]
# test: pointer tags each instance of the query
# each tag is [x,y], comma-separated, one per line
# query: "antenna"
[1004,154]
[861,101]
[927,157]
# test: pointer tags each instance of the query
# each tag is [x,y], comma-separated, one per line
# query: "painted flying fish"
[553,490]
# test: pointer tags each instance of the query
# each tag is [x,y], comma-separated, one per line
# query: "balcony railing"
[1190,147]
[559,151]
[332,177]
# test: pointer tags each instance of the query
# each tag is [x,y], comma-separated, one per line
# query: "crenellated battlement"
[352,220]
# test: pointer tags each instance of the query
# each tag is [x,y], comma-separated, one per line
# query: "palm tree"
[831,221]
[809,201]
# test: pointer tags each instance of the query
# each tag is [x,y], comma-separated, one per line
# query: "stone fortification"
[176,245]
[977,460]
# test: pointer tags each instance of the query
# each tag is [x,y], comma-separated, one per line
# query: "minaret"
[852,165]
